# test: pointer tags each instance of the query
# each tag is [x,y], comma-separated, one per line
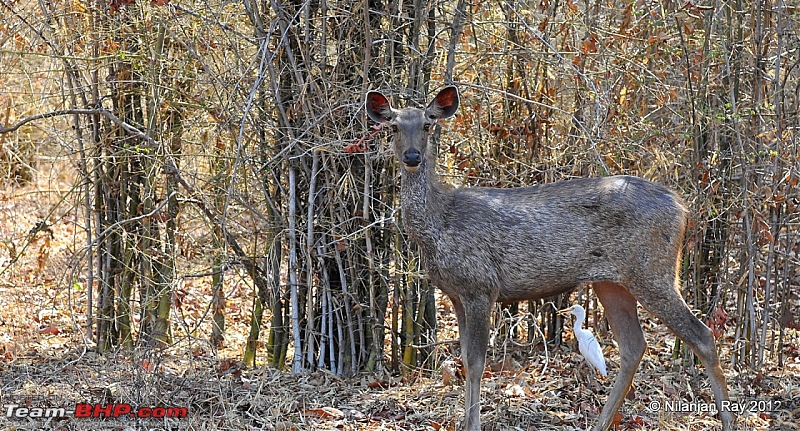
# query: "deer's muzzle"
[412,158]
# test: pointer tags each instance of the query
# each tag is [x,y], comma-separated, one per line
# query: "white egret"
[587,343]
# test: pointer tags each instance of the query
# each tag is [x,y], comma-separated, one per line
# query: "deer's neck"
[423,199]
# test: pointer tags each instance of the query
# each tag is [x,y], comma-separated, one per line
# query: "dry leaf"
[617,419]
[147,365]
[324,413]
[716,322]
[377,384]
[49,330]
[448,374]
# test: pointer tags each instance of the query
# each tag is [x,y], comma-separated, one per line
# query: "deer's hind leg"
[620,310]
[665,302]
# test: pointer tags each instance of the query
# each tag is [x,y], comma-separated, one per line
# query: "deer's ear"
[378,107]
[444,105]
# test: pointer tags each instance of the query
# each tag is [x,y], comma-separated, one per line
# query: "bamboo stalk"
[297,360]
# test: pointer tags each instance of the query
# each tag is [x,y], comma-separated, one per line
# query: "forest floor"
[46,363]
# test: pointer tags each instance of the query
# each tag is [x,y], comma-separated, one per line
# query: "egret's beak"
[565,311]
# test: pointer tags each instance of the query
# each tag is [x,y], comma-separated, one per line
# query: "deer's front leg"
[473,327]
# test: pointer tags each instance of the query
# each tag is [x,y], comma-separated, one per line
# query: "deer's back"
[554,236]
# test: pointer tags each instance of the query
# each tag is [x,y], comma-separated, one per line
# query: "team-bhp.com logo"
[97,410]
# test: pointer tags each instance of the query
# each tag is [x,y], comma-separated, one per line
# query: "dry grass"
[220,395]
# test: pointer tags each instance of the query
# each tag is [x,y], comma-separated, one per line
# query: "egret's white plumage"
[587,343]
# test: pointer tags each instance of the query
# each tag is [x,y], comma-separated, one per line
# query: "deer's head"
[412,126]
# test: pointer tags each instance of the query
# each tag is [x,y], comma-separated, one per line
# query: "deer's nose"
[412,157]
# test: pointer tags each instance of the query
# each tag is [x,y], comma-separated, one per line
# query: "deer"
[620,234]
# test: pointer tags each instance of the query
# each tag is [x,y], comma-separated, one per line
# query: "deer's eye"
[426,127]
[394,128]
